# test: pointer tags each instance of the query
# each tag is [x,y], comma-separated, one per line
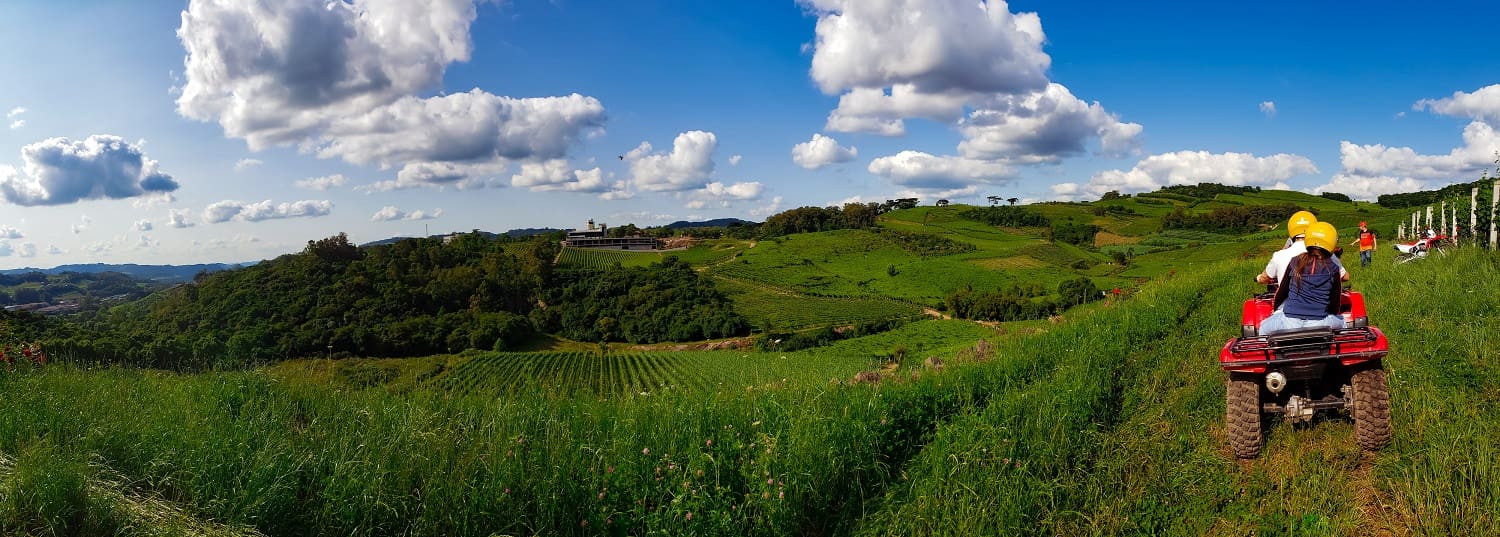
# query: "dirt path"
[153,514]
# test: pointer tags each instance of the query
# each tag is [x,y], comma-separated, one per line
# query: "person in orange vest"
[1366,240]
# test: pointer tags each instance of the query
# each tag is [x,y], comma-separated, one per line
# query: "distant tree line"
[1243,219]
[1206,190]
[1020,303]
[923,244]
[1006,216]
[814,219]
[410,298]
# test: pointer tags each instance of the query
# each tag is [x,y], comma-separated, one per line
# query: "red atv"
[1296,373]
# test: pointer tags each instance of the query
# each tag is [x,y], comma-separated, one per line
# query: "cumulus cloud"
[1268,108]
[916,169]
[768,209]
[177,218]
[460,175]
[149,201]
[7,232]
[389,213]
[1042,127]
[734,160]
[1370,170]
[1192,167]
[59,171]
[973,65]
[246,163]
[343,80]
[688,166]
[724,196]
[146,243]
[26,250]
[821,151]
[558,174]
[1483,105]
[323,183]
[16,122]
[226,210]
[52,249]
[143,225]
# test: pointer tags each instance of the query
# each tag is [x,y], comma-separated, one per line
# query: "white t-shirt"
[1283,258]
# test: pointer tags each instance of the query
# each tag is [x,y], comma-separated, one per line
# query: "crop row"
[588,259]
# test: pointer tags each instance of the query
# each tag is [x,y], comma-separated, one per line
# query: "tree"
[942,203]
[994,200]
[1111,195]
[1012,201]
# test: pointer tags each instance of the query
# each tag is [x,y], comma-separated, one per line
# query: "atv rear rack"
[1305,345]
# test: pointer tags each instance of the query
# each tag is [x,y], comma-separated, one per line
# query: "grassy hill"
[1109,422]
[1106,419]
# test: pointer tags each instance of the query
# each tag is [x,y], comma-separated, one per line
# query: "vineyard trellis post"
[1429,217]
[1443,216]
[1493,198]
[1474,213]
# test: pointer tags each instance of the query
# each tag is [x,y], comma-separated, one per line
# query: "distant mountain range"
[159,273]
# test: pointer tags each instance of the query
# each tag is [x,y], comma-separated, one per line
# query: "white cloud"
[226,210]
[973,65]
[15,112]
[79,228]
[641,215]
[558,174]
[734,160]
[1481,141]
[323,183]
[688,166]
[767,209]
[17,124]
[1268,108]
[149,201]
[1192,167]
[7,232]
[1483,105]
[460,175]
[1042,127]
[52,249]
[920,170]
[26,250]
[143,225]
[246,163]
[724,196]
[177,218]
[58,171]
[821,151]
[343,79]
[6,249]
[936,45]
[1368,188]
[146,243]
[389,213]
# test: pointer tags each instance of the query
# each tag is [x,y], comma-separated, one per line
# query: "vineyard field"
[773,308]
[588,259]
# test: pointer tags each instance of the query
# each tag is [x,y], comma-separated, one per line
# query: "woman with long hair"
[1309,290]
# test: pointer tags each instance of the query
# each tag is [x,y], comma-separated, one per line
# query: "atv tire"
[1242,416]
[1372,408]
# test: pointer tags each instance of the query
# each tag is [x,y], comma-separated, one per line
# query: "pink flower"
[507,491]
[690,515]
[781,495]
[709,442]
[611,470]
[770,481]
[583,523]
[645,451]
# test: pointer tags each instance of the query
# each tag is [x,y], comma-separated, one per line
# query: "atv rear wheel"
[1372,408]
[1242,415]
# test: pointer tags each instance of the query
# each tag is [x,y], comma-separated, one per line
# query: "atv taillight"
[1361,322]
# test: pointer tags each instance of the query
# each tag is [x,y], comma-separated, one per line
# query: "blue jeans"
[1364,257]
[1278,322]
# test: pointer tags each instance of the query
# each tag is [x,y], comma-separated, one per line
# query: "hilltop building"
[597,237]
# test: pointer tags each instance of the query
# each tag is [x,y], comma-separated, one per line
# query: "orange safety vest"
[1366,240]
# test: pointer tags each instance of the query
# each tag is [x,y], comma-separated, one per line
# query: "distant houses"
[597,237]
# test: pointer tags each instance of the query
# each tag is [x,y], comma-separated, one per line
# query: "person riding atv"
[1308,294]
[1296,229]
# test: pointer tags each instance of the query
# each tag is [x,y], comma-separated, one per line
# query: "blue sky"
[207,131]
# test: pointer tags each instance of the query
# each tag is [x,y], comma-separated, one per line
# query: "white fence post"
[1474,213]
[1493,198]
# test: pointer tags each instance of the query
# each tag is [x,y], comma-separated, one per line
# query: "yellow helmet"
[1322,235]
[1298,223]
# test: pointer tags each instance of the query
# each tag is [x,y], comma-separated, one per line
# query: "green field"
[1104,420]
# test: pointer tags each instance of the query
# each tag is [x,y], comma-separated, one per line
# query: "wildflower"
[583,523]
[507,491]
[690,515]
[700,473]
[521,440]
[610,470]
[601,495]
[645,451]
[781,495]
[709,442]
[766,495]
[770,481]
